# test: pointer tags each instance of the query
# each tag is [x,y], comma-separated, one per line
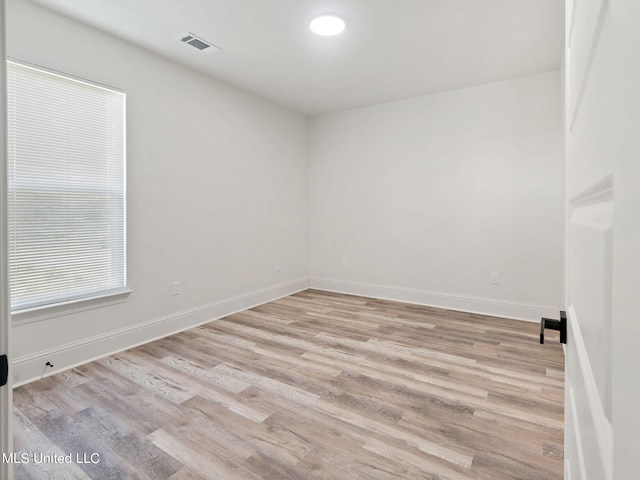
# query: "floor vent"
[198,43]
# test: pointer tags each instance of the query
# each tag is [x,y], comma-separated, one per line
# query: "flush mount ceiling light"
[327,25]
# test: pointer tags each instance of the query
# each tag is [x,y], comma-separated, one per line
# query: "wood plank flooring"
[312,386]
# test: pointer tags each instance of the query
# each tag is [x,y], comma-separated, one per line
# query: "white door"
[602,106]
[5,391]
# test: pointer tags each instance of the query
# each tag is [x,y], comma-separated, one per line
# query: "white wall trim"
[46,312]
[29,367]
[602,426]
[483,306]
[6,398]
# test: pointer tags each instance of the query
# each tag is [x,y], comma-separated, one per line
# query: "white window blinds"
[66,181]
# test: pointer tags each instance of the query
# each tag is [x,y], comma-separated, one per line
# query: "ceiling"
[391,49]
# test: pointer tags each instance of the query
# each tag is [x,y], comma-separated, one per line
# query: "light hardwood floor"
[313,386]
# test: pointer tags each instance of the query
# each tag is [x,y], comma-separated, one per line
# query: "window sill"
[37,314]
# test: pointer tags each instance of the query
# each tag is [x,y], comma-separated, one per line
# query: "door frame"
[6,400]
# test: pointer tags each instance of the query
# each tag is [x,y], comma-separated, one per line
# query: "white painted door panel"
[602,179]
[585,21]
[588,441]
[589,251]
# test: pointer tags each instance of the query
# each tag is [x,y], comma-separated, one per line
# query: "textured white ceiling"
[391,49]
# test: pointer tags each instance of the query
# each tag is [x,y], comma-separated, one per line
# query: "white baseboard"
[29,367]
[484,306]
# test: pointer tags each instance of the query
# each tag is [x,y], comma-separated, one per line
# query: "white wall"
[426,197]
[217,193]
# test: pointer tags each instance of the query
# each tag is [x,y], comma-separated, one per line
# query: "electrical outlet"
[176,288]
[278,266]
[344,263]
[495,278]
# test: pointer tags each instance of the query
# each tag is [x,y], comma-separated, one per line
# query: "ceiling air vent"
[198,43]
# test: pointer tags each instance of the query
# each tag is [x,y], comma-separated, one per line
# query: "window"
[66,188]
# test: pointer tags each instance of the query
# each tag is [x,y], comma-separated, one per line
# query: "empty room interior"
[239,247]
